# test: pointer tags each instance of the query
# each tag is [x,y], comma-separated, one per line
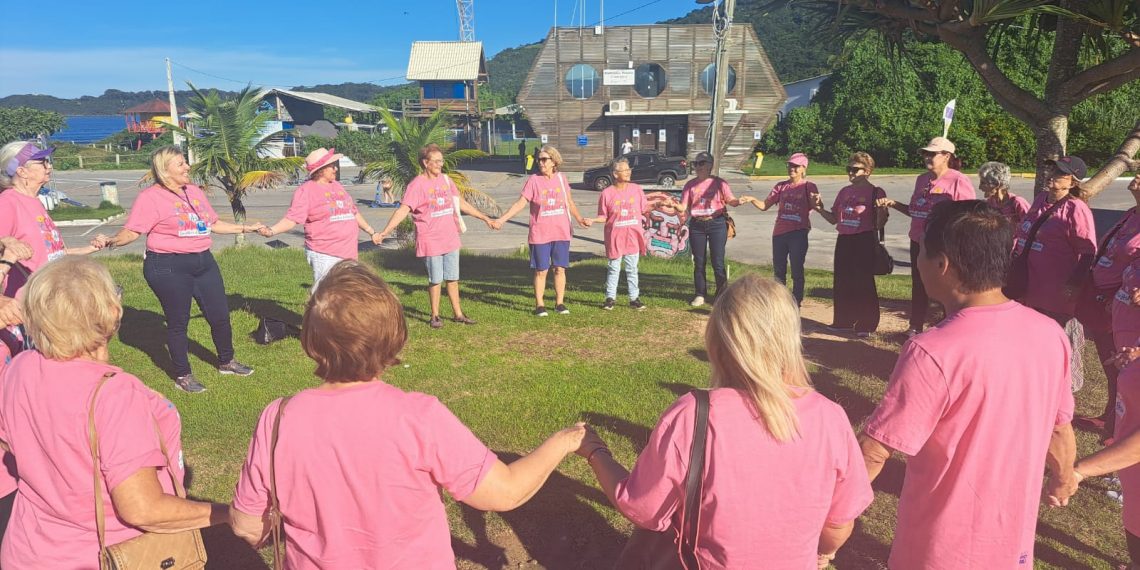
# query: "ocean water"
[90,128]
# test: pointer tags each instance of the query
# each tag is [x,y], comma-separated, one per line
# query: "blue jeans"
[713,235]
[794,245]
[613,270]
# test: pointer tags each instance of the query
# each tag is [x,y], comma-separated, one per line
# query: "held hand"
[571,437]
[1058,492]
[490,223]
[10,312]
[1136,296]
[885,203]
[587,222]
[257,227]
[1124,356]
[817,203]
[583,222]
[99,242]
[265,232]
[377,238]
[591,442]
[824,560]
[15,250]
[496,224]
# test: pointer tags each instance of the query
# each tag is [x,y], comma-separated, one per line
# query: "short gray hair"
[996,174]
[619,160]
[7,153]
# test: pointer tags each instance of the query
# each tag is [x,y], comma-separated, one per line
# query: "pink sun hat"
[798,159]
[321,158]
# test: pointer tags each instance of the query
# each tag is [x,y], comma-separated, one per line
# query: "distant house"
[303,112]
[590,90]
[449,75]
[148,120]
[800,93]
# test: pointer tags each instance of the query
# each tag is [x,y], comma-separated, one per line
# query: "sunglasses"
[930,154]
[854,169]
[544,159]
[700,162]
[46,161]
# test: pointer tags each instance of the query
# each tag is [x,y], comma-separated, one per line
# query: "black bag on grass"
[270,330]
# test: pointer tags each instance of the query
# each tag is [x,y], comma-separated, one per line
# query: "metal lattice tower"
[466,19]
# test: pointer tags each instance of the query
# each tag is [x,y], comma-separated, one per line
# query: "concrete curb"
[90,222]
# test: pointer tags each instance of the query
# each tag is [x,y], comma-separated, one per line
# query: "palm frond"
[260,179]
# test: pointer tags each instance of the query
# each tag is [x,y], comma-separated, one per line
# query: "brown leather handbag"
[174,551]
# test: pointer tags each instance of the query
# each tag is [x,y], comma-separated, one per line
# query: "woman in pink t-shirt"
[24,169]
[993,180]
[47,397]
[783,480]
[329,214]
[943,182]
[859,222]
[551,208]
[1063,250]
[358,464]
[621,207]
[177,219]
[796,197]
[707,198]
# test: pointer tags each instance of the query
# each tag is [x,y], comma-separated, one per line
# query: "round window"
[708,79]
[649,80]
[582,81]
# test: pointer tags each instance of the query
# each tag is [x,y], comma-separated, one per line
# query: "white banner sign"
[617,77]
[948,116]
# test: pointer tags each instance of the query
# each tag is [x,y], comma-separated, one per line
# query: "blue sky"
[83,47]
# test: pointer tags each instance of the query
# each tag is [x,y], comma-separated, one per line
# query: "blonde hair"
[71,308]
[863,159]
[158,160]
[753,344]
[7,153]
[354,325]
[555,156]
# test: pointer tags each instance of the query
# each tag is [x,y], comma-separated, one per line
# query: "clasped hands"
[15,250]
[498,223]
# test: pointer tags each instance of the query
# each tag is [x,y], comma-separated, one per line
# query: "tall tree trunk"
[1052,134]
[1124,159]
[238,208]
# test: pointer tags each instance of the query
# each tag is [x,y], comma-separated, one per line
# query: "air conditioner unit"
[618,106]
[731,104]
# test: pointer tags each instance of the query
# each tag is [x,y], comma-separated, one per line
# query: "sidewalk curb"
[89,222]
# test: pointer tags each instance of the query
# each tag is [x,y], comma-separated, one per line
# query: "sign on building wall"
[544,139]
[582,140]
[661,135]
[636,133]
[692,137]
[618,77]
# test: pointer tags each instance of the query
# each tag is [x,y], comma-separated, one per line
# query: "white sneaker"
[697,301]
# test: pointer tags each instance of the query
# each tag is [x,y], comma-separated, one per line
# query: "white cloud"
[72,73]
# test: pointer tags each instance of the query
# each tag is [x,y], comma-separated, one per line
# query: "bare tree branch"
[1105,76]
[1121,161]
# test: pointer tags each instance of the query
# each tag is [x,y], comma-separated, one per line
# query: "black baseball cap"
[1072,165]
[703,156]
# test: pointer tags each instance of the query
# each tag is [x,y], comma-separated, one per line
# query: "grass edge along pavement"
[514,379]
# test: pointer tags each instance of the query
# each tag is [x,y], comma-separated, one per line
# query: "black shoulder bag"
[1017,280]
[675,548]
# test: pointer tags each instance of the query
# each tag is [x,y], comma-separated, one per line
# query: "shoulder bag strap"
[694,481]
[1032,235]
[274,503]
[1108,237]
[93,442]
[875,214]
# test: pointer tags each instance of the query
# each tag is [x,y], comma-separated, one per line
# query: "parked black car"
[647,166]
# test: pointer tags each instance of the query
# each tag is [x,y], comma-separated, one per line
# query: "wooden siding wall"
[683,51]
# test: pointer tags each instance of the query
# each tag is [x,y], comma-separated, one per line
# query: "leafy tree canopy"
[26,122]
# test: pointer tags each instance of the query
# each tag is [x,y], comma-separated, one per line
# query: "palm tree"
[400,157]
[229,145]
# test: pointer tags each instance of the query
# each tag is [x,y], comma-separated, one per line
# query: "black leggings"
[176,278]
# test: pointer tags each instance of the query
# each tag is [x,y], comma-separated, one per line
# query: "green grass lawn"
[105,210]
[514,379]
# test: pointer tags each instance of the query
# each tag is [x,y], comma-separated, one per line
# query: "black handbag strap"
[1111,233]
[694,480]
[875,214]
[1032,235]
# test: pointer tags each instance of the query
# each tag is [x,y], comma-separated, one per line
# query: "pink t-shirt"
[359,470]
[928,192]
[1121,250]
[796,203]
[1125,315]
[974,402]
[24,218]
[1013,208]
[704,198]
[329,215]
[764,502]
[854,209]
[8,469]
[622,209]
[549,208]
[43,417]
[1065,236]
[432,201]
[174,222]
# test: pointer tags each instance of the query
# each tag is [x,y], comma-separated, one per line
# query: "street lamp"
[722,24]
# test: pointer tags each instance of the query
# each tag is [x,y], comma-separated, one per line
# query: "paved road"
[752,244]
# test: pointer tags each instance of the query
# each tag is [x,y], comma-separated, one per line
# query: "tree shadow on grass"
[558,528]
[146,331]
[225,551]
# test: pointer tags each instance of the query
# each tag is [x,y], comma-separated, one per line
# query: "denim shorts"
[442,268]
[543,255]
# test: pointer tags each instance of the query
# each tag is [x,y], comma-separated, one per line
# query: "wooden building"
[449,75]
[590,89]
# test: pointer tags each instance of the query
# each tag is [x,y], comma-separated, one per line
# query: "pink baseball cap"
[798,159]
[29,152]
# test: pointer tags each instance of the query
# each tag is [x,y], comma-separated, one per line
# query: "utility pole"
[173,105]
[722,26]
